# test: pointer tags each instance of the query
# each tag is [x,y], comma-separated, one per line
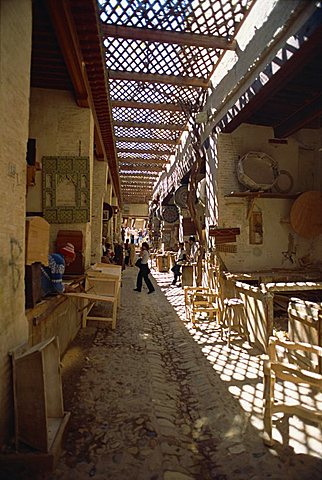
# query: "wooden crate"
[38,399]
[37,240]
[163,263]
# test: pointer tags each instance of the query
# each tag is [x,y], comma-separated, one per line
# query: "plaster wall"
[60,128]
[281,246]
[15,56]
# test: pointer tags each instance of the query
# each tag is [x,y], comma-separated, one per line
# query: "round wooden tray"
[306,214]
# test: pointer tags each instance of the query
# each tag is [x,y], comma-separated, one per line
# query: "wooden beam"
[156,168]
[300,118]
[138,182]
[137,173]
[143,164]
[150,151]
[155,126]
[160,141]
[67,38]
[166,36]
[136,188]
[153,163]
[170,107]
[99,146]
[155,78]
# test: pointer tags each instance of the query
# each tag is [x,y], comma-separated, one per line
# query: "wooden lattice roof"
[159,57]
[143,68]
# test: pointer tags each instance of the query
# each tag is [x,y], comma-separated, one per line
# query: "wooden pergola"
[159,58]
[142,66]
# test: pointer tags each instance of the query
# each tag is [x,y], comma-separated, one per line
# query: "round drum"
[181,196]
[170,213]
[306,214]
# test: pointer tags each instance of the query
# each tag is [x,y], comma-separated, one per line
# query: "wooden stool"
[234,314]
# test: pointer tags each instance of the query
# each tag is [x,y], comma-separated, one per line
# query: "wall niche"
[66,189]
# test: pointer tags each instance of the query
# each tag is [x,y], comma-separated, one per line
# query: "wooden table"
[102,284]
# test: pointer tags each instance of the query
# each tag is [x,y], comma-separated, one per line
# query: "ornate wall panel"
[66,189]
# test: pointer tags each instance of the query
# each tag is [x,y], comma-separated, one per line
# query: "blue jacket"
[52,276]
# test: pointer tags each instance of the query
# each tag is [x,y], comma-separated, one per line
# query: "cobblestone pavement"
[158,400]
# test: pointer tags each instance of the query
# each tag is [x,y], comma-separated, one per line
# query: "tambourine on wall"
[170,213]
[257,171]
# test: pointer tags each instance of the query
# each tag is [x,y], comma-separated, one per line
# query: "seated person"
[52,276]
[181,257]
[108,255]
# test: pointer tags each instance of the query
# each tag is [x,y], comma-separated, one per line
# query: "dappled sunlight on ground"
[241,368]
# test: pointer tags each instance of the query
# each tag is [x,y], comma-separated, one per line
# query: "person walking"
[144,270]
[193,249]
[127,252]
[132,253]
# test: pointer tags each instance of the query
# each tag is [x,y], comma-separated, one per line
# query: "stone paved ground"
[158,400]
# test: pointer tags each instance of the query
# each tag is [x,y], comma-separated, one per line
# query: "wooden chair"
[231,309]
[234,318]
[289,372]
[101,285]
[199,302]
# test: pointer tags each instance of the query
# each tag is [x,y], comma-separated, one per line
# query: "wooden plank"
[298,410]
[222,232]
[225,239]
[160,141]
[37,240]
[155,170]
[292,373]
[145,151]
[92,296]
[154,161]
[154,126]
[166,36]
[154,78]
[170,107]
[291,286]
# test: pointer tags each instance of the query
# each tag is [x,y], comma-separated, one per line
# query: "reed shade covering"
[306,214]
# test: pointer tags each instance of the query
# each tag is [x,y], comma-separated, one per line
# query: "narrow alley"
[158,400]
